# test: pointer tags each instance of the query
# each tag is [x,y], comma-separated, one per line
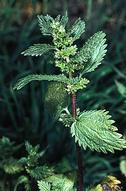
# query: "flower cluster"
[77,84]
[65,48]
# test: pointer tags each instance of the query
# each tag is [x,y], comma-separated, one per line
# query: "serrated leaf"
[77,29]
[38,50]
[39,77]
[64,19]
[44,186]
[45,24]
[60,182]
[12,166]
[41,172]
[93,52]
[95,129]
[68,185]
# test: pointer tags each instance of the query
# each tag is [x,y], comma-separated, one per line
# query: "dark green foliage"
[7,162]
[7,148]
[41,172]
[30,166]
[12,166]
[33,155]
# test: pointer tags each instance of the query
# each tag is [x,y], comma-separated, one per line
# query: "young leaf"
[77,29]
[44,186]
[45,24]
[38,50]
[64,19]
[39,77]
[95,129]
[92,53]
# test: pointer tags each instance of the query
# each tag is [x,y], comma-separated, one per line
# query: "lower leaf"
[44,186]
[95,129]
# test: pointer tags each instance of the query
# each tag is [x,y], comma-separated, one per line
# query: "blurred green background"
[29,114]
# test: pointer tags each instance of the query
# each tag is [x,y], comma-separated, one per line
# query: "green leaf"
[60,182]
[44,186]
[93,52]
[64,19]
[37,50]
[45,24]
[39,77]
[77,29]
[95,129]
[67,185]
[12,166]
[41,172]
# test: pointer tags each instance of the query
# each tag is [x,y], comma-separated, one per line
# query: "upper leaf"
[45,24]
[39,77]
[64,19]
[93,52]
[94,129]
[38,50]
[77,29]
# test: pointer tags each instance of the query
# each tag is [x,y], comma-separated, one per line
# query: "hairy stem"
[78,150]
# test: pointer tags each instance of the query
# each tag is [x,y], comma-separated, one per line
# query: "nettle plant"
[92,129]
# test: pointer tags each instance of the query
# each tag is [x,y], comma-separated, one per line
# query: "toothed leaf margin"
[95,130]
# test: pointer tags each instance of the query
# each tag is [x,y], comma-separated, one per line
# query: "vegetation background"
[30,113]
